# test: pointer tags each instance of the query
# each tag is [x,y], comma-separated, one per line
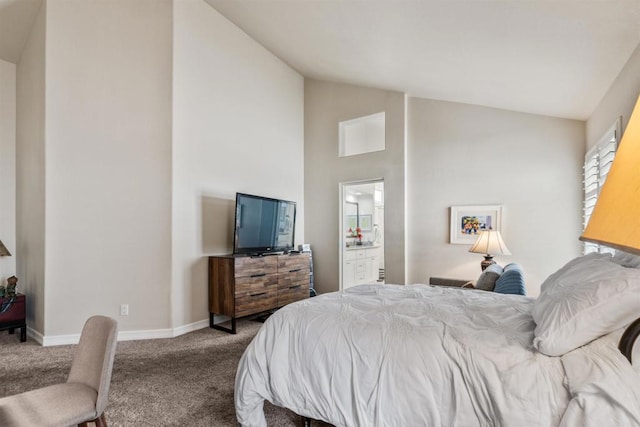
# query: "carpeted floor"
[183,381]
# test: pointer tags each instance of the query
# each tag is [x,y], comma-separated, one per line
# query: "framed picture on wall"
[365,222]
[468,221]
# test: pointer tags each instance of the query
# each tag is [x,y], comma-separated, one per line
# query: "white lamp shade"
[490,242]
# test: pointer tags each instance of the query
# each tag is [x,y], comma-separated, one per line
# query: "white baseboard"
[35,335]
[149,334]
[185,329]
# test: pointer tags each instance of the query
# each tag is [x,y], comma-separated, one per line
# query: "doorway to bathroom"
[361,231]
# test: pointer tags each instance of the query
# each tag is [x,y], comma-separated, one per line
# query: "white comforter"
[388,355]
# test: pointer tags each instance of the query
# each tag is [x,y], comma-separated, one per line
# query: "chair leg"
[101,421]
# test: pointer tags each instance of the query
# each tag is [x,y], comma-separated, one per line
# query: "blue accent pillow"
[511,281]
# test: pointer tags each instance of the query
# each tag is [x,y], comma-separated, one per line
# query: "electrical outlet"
[124,309]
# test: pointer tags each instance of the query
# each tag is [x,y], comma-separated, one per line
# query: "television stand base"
[217,327]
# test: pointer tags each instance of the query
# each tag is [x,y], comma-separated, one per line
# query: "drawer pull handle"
[258,294]
[259,275]
[295,271]
[294,287]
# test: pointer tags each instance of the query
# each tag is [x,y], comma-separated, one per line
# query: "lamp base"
[486,262]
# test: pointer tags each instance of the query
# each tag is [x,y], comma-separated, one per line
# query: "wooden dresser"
[240,285]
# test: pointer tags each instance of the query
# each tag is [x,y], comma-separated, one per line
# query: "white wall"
[30,171]
[7,167]
[238,127]
[327,104]
[461,154]
[108,162]
[618,101]
[97,144]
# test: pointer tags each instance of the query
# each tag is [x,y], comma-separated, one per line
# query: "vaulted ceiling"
[16,20]
[551,57]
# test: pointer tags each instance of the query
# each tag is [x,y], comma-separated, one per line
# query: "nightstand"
[13,315]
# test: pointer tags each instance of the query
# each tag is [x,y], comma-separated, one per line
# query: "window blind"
[597,163]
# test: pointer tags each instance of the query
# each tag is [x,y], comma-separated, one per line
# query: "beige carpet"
[183,381]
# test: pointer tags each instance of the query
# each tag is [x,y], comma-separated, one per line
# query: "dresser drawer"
[255,285]
[255,294]
[293,292]
[293,263]
[256,303]
[252,303]
[293,286]
[255,266]
[293,279]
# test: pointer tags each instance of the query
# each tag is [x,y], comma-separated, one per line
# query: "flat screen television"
[263,225]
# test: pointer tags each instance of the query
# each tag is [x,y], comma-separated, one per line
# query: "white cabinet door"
[373,268]
[349,274]
[360,266]
[362,270]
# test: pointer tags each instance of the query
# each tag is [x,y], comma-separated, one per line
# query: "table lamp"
[614,221]
[489,243]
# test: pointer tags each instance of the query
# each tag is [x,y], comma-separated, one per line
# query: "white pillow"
[587,298]
[572,264]
[626,259]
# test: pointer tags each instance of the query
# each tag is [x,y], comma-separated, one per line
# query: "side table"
[13,315]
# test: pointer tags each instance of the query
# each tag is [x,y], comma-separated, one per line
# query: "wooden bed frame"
[627,341]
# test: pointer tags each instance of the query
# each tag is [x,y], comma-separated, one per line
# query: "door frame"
[341,247]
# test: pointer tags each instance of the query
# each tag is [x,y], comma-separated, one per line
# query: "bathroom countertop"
[351,248]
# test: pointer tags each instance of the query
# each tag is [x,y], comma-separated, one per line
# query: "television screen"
[263,224]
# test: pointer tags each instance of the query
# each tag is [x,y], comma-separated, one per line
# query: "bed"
[389,355]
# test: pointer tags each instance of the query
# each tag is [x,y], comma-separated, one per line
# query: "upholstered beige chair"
[83,397]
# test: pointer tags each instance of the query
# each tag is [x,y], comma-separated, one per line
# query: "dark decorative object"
[12,282]
[629,338]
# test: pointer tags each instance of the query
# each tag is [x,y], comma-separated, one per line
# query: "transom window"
[362,135]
